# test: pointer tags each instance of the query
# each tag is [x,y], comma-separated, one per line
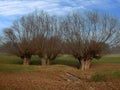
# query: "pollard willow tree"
[86,36]
[53,48]
[47,39]
[34,34]
[53,41]
[19,38]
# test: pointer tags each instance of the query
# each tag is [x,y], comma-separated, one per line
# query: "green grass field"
[11,68]
[65,59]
[71,60]
[108,59]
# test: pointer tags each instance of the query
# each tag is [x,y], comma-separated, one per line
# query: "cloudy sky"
[13,9]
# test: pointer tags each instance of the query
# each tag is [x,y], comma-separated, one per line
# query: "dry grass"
[51,78]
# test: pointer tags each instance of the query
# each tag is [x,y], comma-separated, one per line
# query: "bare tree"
[53,44]
[53,48]
[47,37]
[34,34]
[19,38]
[87,35]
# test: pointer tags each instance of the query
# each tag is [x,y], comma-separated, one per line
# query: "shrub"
[98,77]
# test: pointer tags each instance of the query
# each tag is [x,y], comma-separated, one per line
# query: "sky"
[11,10]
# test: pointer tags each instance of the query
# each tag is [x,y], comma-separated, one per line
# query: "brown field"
[52,78]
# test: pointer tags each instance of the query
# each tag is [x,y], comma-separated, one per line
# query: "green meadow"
[62,59]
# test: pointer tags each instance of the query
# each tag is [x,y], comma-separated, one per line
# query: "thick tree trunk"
[85,64]
[48,62]
[26,61]
[43,61]
[82,65]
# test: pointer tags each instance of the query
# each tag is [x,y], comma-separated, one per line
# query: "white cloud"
[16,7]
[20,7]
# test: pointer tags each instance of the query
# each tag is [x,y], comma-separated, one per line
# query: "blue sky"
[13,9]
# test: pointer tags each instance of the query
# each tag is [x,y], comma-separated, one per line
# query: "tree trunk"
[85,64]
[82,65]
[43,62]
[79,65]
[48,62]
[26,61]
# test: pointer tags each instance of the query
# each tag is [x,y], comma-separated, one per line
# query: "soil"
[49,79]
